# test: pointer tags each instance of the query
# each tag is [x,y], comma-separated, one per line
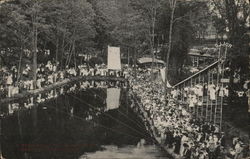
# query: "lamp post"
[226,45]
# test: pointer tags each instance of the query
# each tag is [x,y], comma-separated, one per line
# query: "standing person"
[178,143]
[205,89]
[26,71]
[247,88]
[238,150]
[9,84]
[39,81]
[186,151]
[184,141]
[14,73]
[212,91]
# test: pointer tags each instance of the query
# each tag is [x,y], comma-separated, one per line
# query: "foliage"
[231,17]
[60,24]
[190,20]
[71,27]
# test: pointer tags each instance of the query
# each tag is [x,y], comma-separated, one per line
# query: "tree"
[26,19]
[178,28]
[172,5]
[58,25]
[107,18]
[232,18]
[149,11]
[14,29]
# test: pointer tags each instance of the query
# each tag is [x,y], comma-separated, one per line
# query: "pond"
[88,123]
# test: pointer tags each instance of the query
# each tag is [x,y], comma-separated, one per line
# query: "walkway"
[175,129]
[171,125]
[58,85]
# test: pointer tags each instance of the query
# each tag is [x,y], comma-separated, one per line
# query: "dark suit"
[178,144]
[187,154]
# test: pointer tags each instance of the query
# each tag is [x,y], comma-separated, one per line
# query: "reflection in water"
[113,98]
[127,152]
[72,125]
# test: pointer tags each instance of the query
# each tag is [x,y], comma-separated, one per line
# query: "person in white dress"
[212,92]
[9,83]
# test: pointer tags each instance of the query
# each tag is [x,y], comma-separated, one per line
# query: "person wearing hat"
[9,83]
[238,149]
[186,152]
[184,140]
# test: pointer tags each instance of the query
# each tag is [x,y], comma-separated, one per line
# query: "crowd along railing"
[35,97]
[205,92]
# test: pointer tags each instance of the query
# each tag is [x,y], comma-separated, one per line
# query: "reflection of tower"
[113,98]
[1,154]
[10,109]
[34,118]
[127,102]
[72,112]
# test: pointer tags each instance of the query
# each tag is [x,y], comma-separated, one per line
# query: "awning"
[149,60]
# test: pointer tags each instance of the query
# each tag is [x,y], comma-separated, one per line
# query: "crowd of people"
[51,94]
[195,95]
[183,136]
[12,82]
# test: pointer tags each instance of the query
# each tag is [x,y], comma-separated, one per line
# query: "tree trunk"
[62,52]
[74,55]
[172,6]
[70,54]
[152,41]
[20,63]
[57,49]
[135,59]
[34,52]
[72,48]
[170,36]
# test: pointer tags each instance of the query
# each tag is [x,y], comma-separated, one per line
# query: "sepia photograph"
[124,79]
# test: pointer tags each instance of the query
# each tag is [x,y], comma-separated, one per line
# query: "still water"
[91,123]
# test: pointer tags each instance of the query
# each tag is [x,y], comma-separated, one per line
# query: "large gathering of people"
[195,95]
[12,82]
[73,87]
[183,135]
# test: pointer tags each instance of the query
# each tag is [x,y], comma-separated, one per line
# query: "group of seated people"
[182,135]
[11,83]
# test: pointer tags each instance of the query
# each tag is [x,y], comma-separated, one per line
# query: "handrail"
[206,68]
[60,84]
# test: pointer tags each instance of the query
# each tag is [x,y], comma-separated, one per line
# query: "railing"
[60,84]
[34,97]
[205,93]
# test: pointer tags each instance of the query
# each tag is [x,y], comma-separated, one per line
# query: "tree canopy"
[71,27]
